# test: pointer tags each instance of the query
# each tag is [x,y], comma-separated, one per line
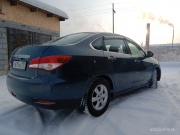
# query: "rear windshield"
[69,39]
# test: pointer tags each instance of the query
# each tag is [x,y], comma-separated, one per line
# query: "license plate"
[19,65]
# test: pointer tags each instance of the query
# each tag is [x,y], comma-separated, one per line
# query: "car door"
[142,66]
[119,62]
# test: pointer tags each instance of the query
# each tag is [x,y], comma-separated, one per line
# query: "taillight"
[49,63]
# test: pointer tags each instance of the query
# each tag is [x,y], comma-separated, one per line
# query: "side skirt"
[128,90]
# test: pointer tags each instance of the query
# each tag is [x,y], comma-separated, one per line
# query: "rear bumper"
[62,94]
[65,103]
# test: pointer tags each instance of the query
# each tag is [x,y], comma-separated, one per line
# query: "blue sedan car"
[81,70]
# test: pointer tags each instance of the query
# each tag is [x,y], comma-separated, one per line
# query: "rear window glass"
[98,44]
[69,39]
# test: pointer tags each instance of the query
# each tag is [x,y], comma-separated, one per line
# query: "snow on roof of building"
[46,7]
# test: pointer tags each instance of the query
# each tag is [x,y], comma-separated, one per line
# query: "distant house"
[26,22]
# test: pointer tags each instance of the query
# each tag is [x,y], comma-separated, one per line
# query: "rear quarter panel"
[85,64]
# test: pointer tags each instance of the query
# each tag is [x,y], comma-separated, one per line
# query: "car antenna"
[101,27]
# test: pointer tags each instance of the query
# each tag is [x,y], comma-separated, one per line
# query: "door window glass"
[135,50]
[115,45]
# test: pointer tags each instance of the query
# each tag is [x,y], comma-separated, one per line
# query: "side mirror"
[150,54]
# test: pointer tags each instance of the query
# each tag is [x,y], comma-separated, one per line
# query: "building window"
[18,38]
[40,38]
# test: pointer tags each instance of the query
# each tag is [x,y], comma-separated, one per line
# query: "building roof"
[48,8]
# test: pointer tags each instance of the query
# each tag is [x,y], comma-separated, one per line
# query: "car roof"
[102,33]
[114,34]
[108,34]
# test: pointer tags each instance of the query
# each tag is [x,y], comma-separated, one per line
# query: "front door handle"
[111,58]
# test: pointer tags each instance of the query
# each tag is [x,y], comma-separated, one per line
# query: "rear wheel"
[97,98]
[153,82]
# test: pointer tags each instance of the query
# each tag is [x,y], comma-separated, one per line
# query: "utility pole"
[148,36]
[113,11]
[173,37]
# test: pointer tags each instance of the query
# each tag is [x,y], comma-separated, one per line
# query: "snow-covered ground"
[144,112]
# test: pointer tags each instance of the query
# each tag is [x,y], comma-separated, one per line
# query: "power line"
[128,10]
[86,12]
[90,14]
[101,11]
[87,7]
[90,11]
[82,15]
[77,15]
[117,9]
[125,2]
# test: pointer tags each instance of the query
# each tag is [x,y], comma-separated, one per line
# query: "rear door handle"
[137,61]
[111,58]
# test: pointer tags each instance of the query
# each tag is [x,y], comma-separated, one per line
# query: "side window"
[98,44]
[135,51]
[115,45]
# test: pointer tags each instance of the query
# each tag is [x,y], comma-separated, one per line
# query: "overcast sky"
[130,19]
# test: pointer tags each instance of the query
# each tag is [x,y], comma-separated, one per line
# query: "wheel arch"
[108,78]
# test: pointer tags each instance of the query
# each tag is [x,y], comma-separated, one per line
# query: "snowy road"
[144,112]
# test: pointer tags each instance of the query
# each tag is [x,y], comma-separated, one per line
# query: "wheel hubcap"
[99,97]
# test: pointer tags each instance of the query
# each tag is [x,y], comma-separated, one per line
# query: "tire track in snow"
[59,117]
[24,118]
[169,91]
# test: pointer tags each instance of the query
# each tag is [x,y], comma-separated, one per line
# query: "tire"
[153,81]
[97,98]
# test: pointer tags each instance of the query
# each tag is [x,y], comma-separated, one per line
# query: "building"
[26,22]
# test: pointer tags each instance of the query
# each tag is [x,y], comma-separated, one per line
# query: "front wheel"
[98,97]
[153,82]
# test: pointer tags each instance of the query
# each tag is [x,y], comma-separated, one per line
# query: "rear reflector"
[45,102]
[49,63]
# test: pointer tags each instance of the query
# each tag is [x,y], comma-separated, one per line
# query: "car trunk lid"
[21,58]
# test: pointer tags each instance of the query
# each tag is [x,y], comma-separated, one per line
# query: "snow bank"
[166,53]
